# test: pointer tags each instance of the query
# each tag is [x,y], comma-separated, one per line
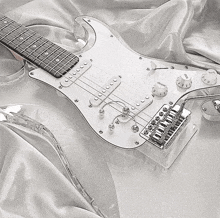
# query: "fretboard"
[35,48]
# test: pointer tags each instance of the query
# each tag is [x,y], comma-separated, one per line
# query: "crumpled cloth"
[180,31]
[30,184]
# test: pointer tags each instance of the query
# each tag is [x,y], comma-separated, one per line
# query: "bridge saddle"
[165,126]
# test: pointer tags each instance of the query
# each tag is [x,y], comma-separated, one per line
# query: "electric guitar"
[129,100]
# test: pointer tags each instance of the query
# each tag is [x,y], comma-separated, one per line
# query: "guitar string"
[107,97]
[114,106]
[113,92]
[118,98]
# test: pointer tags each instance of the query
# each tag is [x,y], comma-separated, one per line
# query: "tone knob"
[184,81]
[159,90]
[209,77]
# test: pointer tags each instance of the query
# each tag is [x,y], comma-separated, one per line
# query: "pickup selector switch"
[209,77]
[184,81]
[159,90]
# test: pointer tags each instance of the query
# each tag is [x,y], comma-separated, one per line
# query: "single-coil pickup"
[105,91]
[75,73]
[140,106]
[165,125]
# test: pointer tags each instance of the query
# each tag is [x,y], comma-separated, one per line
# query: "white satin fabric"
[32,182]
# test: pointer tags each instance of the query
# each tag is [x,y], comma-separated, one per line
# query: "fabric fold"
[30,184]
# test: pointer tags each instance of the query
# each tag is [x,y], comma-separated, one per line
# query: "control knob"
[209,77]
[184,81]
[159,90]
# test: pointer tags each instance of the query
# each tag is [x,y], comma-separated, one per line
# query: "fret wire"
[6,18]
[21,31]
[50,54]
[37,47]
[23,41]
[18,36]
[10,32]
[34,41]
[30,44]
[64,65]
[55,58]
[2,18]
[44,51]
[8,24]
[7,21]
[61,61]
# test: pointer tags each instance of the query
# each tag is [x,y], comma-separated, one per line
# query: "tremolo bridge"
[165,126]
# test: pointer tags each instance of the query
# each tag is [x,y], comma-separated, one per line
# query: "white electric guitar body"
[129,100]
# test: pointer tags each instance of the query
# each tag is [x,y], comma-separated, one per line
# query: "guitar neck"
[35,48]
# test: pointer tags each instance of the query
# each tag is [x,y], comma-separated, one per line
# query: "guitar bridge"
[165,126]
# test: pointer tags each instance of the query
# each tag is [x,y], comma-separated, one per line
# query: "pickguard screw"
[140,58]
[90,105]
[80,56]
[204,109]
[100,132]
[172,67]
[76,100]
[60,87]
[136,143]
[91,60]
[111,35]
[31,73]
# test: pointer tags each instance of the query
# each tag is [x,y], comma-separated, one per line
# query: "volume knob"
[209,77]
[159,90]
[184,81]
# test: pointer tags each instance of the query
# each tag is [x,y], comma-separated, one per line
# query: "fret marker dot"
[5,21]
[21,38]
[46,53]
[34,46]
[57,60]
